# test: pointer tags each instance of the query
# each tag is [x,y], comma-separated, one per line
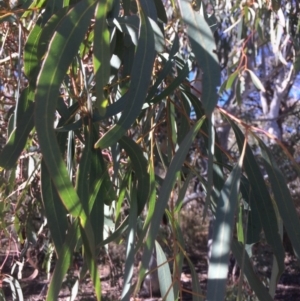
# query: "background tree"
[96,94]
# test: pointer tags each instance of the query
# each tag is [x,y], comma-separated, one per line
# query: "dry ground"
[195,235]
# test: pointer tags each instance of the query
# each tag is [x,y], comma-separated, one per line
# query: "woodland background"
[116,115]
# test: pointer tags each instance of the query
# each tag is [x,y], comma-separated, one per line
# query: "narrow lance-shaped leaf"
[164,274]
[165,191]
[254,226]
[55,211]
[17,139]
[48,31]
[140,79]
[254,281]
[256,81]
[31,61]
[101,56]
[129,263]
[222,233]
[263,201]
[62,48]
[83,171]
[63,262]
[101,191]
[282,197]
[91,263]
[140,165]
[204,47]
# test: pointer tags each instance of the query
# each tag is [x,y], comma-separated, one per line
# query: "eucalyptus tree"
[102,92]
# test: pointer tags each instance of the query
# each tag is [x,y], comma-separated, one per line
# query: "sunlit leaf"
[142,64]
[164,274]
[222,234]
[204,47]
[101,54]
[130,252]
[256,81]
[62,48]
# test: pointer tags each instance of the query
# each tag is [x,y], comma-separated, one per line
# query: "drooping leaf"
[62,48]
[222,234]
[139,165]
[63,261]
[254,281]
[101,54]
[161,11]
[130,252]
[83,171]
[165,191]
[254,226]
[48,31]
[31,60]
[17,139]
[164,274]
[263,200]
[142,65]
[55,211]
[282,196]
[230,80]
[204,47]
[256,81]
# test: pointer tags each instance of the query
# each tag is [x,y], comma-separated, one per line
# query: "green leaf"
[222,234]
[171,88]
[197,292]
[17,140]
[91,263]
[63,47]
[262,199]
[101,190]
[230,80]
[256,81]
[31,60]
[164,274]
[140,79]
[204,47]
[63,262]
[129,263]
[25,101]
[166,70]
[218,177]
[101,54]
[161,12]
[282,197]
[83,171]
[116,235]
[48,31]
[254,226]
[172,126]
[140,165]
[129,25]
[165,191]
[254,281]
[55,211]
